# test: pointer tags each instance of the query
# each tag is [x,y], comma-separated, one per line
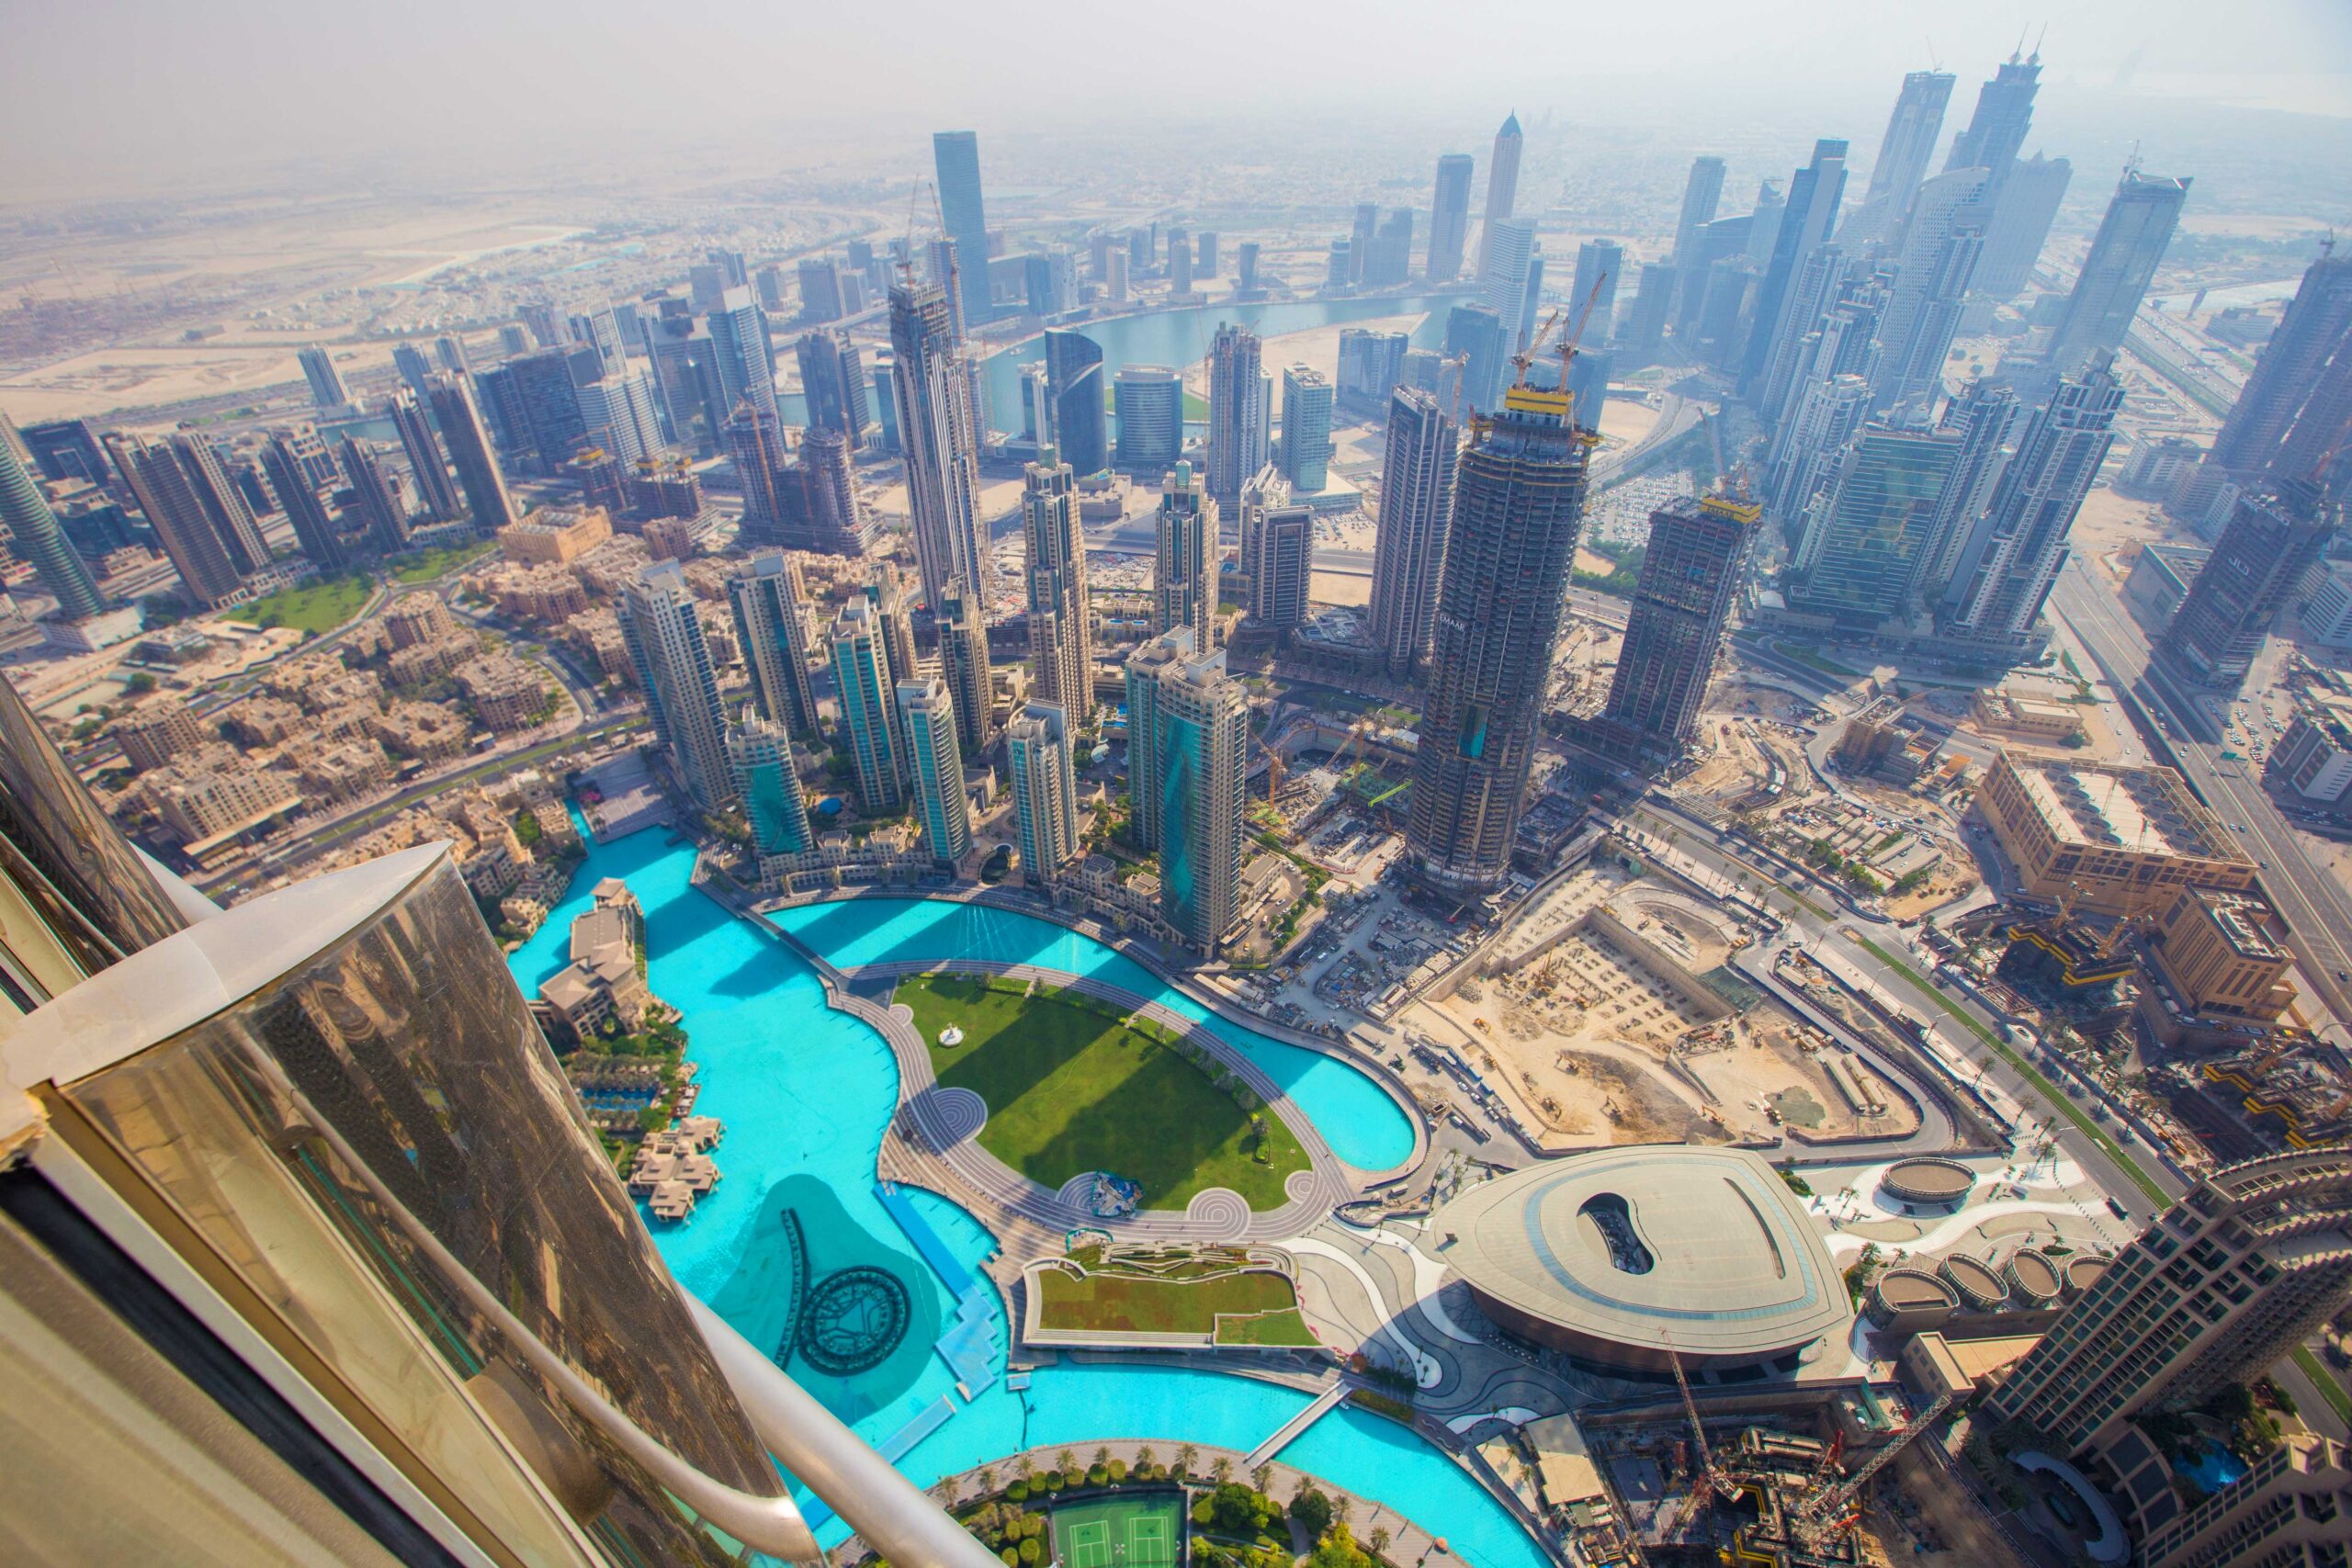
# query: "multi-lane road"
[2175,725]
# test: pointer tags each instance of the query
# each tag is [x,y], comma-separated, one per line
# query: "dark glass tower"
[1518,506]
[1689,572]
[34,535]
[2276,533]
[956,154]
[1074,379]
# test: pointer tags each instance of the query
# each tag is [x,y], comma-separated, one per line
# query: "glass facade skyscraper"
[34,535]
[1518,509]
[956,156]
[663,632]
[1872,527]
[1449,217]
[1074,380]
[1689,572]
[938,426]
[927,718]
[1417,478]
[768,599]
[1044,782]
[1061,640]
[1187,728]
[759,754]
[1183,583]
[2131,241]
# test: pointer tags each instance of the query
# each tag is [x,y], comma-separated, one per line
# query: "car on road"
[2120,1213]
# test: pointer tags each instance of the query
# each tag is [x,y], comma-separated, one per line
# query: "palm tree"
[1378,1542]
[1261,1477]
[987,1478]
[1102,1455]
[1066,1462]
[1185,1454]
[1028,1468]
[1222,1471]
[1144,1457]
[1341,1503]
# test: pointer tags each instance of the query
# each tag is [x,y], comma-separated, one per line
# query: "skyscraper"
[928,719]
[869,710]
[1813,194]
[618,411]
[1060,635]
[1911,131]
[373,502]
[1417,476]
[35,535]
[834,382]
[1519,505]
[1600,265]
[1074,377]
[2132,237]
[1475,334]
[2278,530]
[1689,572]
[665,642]
[766,596]
[821,289]
[755,451]
[1502,185]
[1873,526]
[1702,192]
[1981,416]
[1193,723]
[2004,575]
[460,421]
[1238,417]
[1508,282]
[450,352]
[1997,132]
[203,523]
[64,449]
[939,430]
[1183,582]
[1044,782]
[2020,226]
[431,471]
[414,368]
[739,339]
[1277,550]
[1449,217]
[1644,332]
[956,155]
[2219,1287]
[886,590]
[1306,428]
[759,760]
[1149,402]
[1940,246]
[2315,327]
[314,531]
[327,390]
[964,664]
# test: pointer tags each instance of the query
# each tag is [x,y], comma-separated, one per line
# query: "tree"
[987,1478]
[1185,1454]
[1102,1456]
[1378,1542]
[1262,1477]
[1066,1462]
[1222,1471]
[1311,1508]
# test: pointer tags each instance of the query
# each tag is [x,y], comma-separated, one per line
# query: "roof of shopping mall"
[1636,1248]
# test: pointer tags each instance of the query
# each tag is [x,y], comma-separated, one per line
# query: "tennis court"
[1119,1532]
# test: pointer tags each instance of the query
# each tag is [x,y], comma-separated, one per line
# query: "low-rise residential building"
[263,720]
[596,637]
[157,730]
[416,619]
[2034,719]
[1126,898]
[336,772]
[208,797]
[892,853]
[430,732]
[505,693]
[423,663]
[617,561]
[2292,1509]
[2159,581]
[543,595]
[603,983]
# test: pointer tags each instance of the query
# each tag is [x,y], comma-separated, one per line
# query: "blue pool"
[2213,1469]
[806,1092]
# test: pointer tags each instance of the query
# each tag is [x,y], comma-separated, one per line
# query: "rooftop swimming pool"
[797,1226]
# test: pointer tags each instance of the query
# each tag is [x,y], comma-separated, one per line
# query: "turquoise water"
[804,1093]
[1181,338]
[1363,1126]
[2213,1469]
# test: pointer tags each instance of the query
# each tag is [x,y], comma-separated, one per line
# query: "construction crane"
[1716,1481]
[1824,1514]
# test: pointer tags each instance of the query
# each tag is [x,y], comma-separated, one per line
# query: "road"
[2318,914]
[1818,925]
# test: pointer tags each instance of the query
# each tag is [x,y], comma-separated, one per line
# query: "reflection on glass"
[407,1037]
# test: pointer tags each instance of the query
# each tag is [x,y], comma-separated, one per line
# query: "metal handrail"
[771,1525]
[889,1512]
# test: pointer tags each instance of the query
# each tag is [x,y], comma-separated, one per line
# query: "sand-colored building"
[2112,839]
[555,535]
[2225,953]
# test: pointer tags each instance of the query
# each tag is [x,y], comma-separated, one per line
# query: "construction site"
[1833,1487]
[1610,1012]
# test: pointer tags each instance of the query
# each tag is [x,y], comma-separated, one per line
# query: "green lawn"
[1072,1089]
[2051,1093]
[319,605]
[424,566]
[1112,1301]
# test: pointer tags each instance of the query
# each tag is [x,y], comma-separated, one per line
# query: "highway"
[2318,915]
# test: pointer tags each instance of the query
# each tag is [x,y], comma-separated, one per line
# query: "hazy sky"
[140,91]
